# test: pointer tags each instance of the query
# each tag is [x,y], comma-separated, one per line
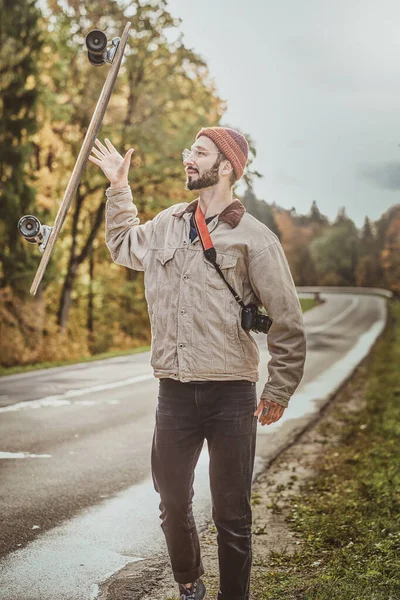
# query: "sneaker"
[196,592]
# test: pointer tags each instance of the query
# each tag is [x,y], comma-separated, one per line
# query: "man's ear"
[226,167]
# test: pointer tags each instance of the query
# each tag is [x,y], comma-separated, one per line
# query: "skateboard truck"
[96,43]
[33,231]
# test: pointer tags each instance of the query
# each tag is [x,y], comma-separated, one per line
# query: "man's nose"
[188,161]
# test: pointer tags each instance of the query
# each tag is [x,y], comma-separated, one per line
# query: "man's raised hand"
[114,167]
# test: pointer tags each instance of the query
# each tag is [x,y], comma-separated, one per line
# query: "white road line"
[336,319]
[23,455]
[64,399]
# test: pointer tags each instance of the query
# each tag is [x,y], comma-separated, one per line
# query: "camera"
[254,320]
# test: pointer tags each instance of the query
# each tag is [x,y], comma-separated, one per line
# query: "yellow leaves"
[62,98]
[30,82]
[46,78]
[44,201]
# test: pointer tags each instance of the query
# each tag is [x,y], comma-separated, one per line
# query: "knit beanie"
[231,143]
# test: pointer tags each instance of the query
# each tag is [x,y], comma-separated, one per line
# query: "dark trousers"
[222,412]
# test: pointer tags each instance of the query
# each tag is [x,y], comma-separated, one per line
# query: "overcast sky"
[316,84]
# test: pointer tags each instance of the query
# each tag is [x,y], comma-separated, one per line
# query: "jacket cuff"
[275,396]
[118,193]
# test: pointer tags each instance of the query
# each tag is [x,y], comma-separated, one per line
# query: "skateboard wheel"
[29,227]
[96,41]
[96,59]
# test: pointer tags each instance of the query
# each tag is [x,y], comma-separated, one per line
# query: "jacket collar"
[232,214]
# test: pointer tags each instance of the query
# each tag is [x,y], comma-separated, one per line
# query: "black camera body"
[254,320]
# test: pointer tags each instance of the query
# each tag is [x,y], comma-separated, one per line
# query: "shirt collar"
[232,214]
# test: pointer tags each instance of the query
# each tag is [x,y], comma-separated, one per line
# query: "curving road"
[76,500]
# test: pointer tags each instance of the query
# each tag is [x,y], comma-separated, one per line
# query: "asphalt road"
[73,437]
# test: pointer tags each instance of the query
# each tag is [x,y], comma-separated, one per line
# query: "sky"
[316,85]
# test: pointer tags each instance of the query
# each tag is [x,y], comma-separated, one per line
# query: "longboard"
[84,153]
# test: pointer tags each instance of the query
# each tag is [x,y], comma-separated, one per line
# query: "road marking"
[64,399]
[23,455]
[334,320]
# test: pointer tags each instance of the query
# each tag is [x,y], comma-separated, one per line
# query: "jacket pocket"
[227,263]
[164,265]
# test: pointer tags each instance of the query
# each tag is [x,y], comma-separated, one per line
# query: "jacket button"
[183,311]
[184,277]
[181,345]
[184,242]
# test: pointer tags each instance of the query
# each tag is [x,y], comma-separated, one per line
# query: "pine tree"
[367,235]
[260,210]
[315,216]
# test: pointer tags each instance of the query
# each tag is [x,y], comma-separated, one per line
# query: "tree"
[259,209]
[341,216]
[336,253]
[315,216]
[367,236]
[390,254]
[20,45]
[369,272]
[296,234]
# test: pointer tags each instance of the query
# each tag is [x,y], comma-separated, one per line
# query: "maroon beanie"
[231,143]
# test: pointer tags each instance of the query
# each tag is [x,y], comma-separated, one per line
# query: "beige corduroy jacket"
[195,321]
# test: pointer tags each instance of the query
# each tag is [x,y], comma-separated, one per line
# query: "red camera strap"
[202,229]
[209,250]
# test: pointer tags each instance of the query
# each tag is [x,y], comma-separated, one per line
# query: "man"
[206,362]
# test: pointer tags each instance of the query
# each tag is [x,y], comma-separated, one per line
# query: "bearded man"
[206,362]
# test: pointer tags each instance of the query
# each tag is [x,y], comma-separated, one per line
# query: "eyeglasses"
[195,153]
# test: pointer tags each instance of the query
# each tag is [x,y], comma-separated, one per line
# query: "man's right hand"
[114,167]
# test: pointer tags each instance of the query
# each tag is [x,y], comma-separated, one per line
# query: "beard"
[207,179]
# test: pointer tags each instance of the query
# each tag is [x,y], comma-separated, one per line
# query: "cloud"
[385,175]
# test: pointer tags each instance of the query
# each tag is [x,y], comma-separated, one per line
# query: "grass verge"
[306,304]
[348,514]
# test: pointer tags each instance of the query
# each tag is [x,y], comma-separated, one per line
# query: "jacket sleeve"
[272,281]
[127,240]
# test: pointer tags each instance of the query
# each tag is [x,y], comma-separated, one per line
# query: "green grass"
[306,304]
[348,515]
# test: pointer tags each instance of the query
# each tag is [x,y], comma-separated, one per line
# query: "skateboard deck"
[84,153]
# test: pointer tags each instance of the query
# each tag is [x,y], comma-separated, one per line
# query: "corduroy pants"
[222,412]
